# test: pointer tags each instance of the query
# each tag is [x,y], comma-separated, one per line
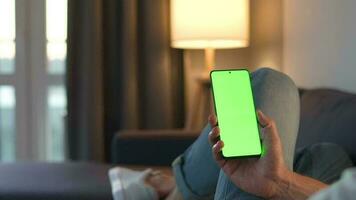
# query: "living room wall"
[320,44]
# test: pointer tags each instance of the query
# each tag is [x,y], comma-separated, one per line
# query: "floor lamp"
[208,25]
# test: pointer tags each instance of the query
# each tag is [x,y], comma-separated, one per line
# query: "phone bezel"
[253,100]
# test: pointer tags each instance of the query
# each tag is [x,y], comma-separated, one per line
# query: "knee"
[333,153]
[325,148]
[323,161]
[272,78]
[321,154]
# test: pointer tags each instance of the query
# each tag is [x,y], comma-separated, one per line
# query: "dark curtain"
[122,73]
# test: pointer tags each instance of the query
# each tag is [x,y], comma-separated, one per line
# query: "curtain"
[121,73]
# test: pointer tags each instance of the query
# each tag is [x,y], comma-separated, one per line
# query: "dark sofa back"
[328,116]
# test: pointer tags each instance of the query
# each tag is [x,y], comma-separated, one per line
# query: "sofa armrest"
[150,147]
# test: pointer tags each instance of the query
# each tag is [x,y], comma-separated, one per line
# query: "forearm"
[293,186]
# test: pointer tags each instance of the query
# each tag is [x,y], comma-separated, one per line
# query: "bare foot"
[162,183]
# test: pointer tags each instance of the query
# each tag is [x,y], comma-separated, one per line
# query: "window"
[33,104]
[7,122]
[56,35]
[7,37]
[7,88]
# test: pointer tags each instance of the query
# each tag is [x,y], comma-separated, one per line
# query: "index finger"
[212,120]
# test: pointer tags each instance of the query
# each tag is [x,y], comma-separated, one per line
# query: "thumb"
[269,131]
[262,119]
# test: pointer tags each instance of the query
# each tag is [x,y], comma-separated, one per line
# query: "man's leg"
[276,95]
[196,172]
[323,161]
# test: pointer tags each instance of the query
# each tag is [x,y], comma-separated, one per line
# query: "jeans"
[196,173]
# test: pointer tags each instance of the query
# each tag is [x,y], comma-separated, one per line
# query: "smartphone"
[235,110]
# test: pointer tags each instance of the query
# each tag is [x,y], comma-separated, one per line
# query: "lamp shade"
[198,24]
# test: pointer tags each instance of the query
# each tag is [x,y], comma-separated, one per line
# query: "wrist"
[282,185]
[294,186]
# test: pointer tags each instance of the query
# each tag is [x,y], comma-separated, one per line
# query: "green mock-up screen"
[236,113]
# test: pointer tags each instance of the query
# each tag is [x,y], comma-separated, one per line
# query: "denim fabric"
[196,171]
[323,161]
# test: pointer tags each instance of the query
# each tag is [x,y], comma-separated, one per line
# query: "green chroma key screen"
[236,113]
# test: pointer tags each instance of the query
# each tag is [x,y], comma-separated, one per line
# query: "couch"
[326,116]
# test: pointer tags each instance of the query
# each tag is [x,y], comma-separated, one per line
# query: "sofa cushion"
[150,147]
[328,116]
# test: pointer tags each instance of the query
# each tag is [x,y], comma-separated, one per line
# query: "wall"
[265,48]
[320,43]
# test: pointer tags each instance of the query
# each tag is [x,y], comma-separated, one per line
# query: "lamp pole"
[209,59]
